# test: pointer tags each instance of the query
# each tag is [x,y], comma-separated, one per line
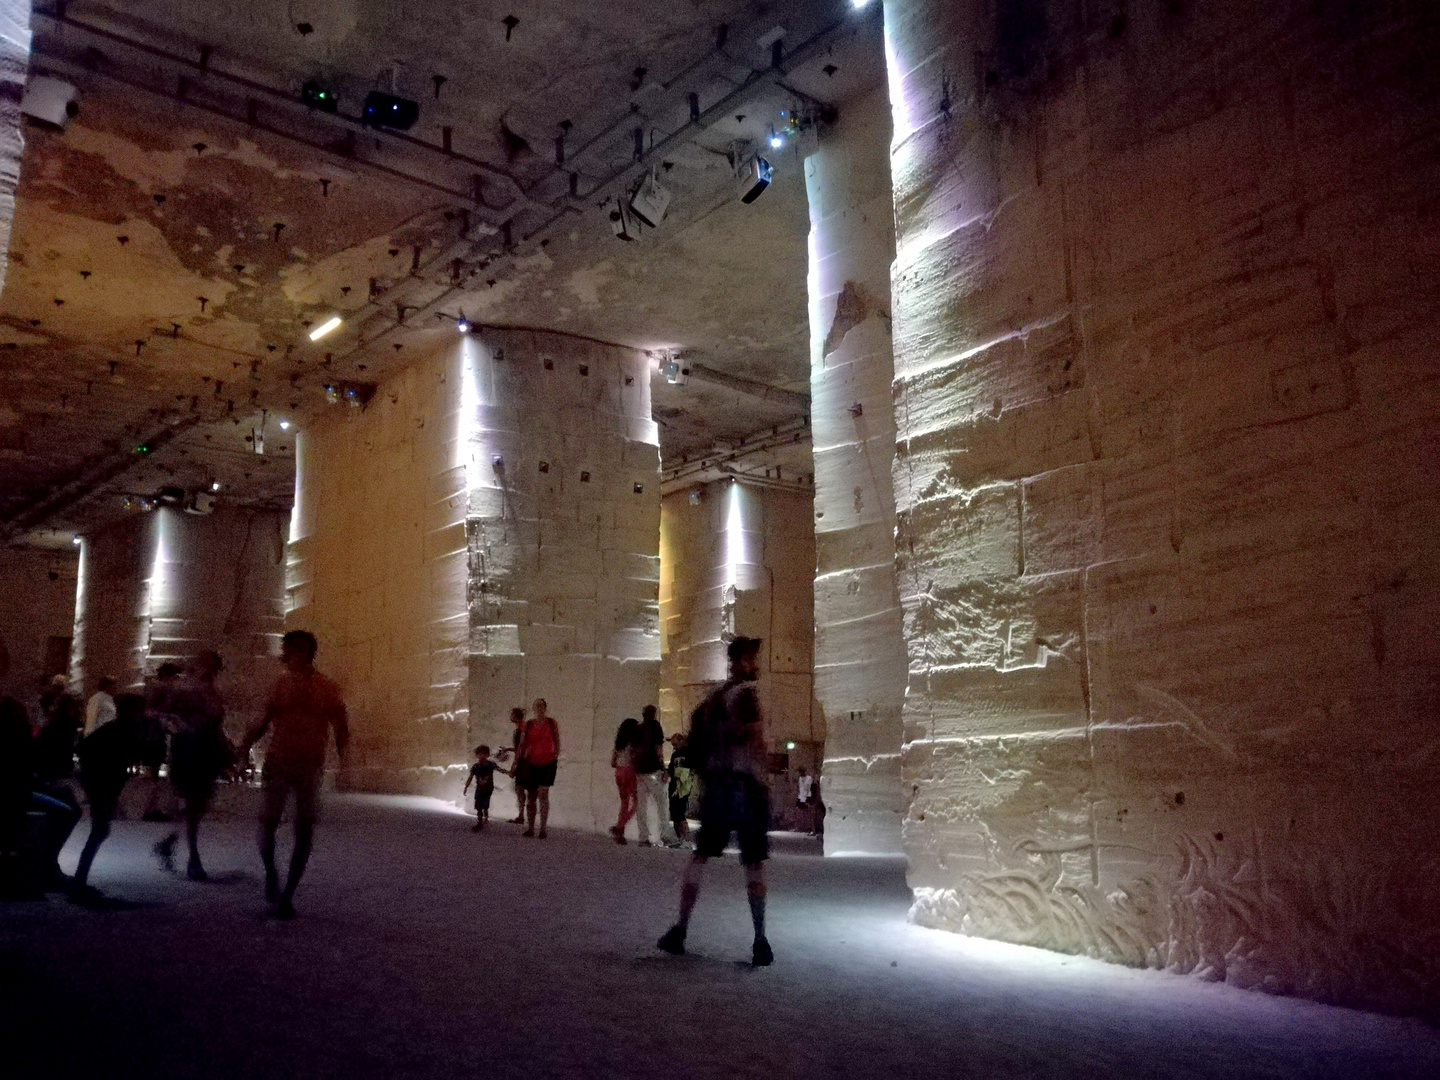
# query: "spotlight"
[284,425]
[858,4]
[325,327]
[789,746]
[75,540]
[389,111]
[462,324]
[776,140]
[622,222]
[319,97]
[215,485]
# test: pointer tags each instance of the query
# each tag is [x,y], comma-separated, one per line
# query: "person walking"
[199,753]
[304,707]
[622,760]
[155,742]
[100,709]
[682,786]
[483,774]
[538,755]
[52,761]
[650,779]
[106,756]
[727,748]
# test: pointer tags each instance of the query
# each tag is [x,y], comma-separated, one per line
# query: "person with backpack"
[726,748]
[106,755]
[538,754]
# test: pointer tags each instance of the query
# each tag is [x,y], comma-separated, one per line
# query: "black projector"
[389,111]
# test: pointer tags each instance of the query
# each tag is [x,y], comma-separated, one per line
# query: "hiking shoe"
[761,956]
[673,942]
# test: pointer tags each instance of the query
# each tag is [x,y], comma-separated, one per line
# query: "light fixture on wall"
[325,327]
[75,540]
[776,139]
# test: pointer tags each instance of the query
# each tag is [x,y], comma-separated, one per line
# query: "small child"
[483,775]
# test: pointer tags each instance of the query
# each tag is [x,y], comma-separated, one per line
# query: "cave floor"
[423,949]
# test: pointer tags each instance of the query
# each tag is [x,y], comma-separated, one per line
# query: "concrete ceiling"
[174,243]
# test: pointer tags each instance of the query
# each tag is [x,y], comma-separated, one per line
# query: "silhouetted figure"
[622,760]
[682,786]
[539,752]
[650,778]
[517,717]
[106,756]
[52,760]
[304,705]
[199,752]
[483,774]
[727,749]
[100,709]
[155,742]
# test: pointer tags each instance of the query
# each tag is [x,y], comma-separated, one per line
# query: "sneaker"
[196,872]
[477,826]
[761,956]
[673,942]
[517,821]
[528,832]
[285,909]
[541,834]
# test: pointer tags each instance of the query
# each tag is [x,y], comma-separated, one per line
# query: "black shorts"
[734,803]
[534,777]
[482,797]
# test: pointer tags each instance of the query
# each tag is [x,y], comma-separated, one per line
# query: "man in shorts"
[726,747]
[304,705]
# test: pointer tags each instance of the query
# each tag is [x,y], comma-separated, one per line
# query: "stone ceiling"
[175,242]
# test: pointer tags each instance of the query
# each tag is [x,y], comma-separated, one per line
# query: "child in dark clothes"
[482,773]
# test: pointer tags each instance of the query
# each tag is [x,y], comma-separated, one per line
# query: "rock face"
[1166,396]
[484,533]
[14,63]
[859,654]
[563,537]
[162,586]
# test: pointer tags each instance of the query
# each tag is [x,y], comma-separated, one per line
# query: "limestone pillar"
[162,586]
[859,652]
[1165,398]
[736,559]
[564,526]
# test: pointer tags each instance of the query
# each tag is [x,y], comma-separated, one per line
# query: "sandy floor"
[425,950]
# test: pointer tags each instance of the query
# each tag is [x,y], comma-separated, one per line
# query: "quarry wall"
[563,538]
[36,608]
[1167,400]
[859,651]
[162,586]
[377,571]
[14,66]
[738,558]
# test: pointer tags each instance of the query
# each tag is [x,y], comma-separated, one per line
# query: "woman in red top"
[538,753]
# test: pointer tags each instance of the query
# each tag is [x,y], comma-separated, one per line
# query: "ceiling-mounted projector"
[650,201]
[49,102]
[623,221]
[754,174]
